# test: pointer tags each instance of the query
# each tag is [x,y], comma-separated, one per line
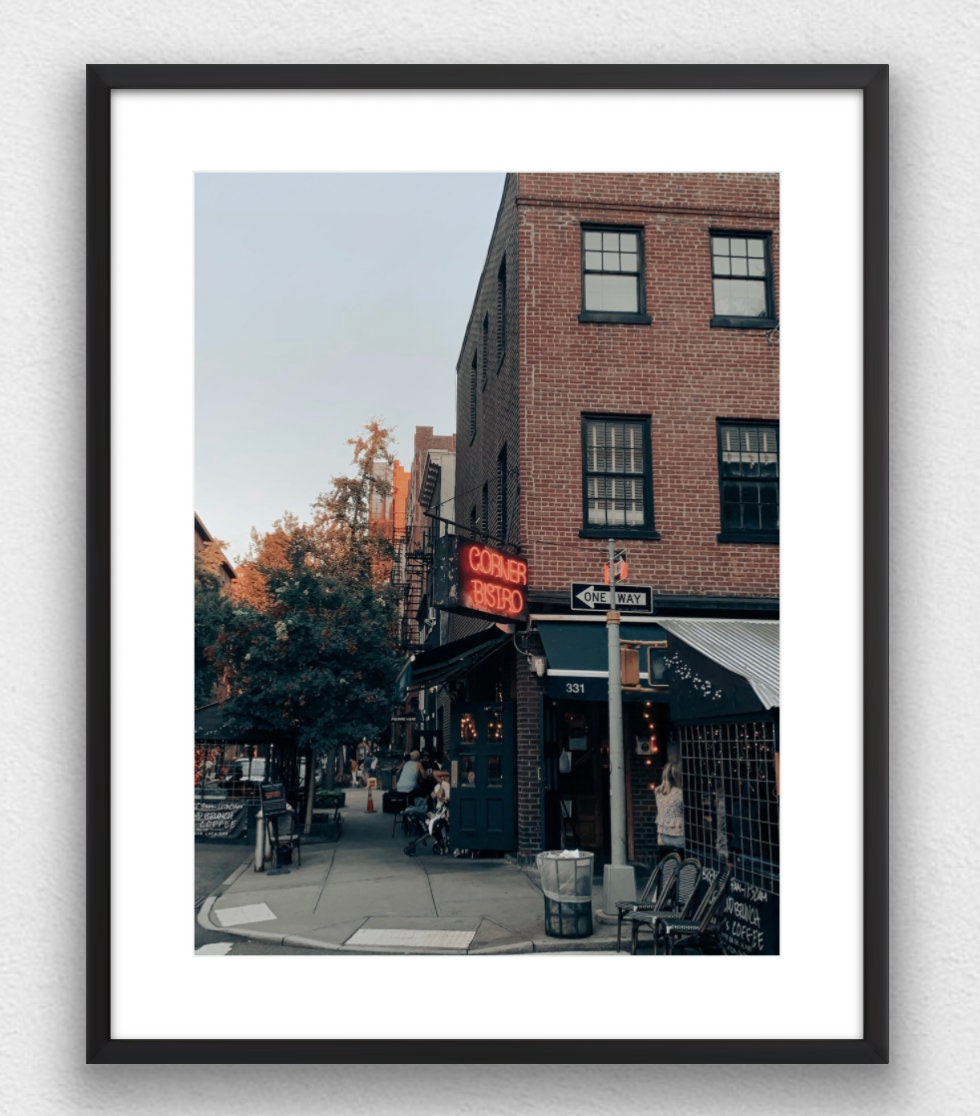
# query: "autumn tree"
[350,519]
[307,645]
[267,552]
[212,611]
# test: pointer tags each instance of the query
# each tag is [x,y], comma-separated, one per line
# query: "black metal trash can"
[566,880]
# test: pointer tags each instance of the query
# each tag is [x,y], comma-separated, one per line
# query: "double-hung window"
[741,280]
[613,287]
[617,477]
[748,476]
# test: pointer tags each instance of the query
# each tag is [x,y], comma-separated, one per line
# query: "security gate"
[481,806]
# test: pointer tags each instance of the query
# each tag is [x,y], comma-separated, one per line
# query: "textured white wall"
[44,45]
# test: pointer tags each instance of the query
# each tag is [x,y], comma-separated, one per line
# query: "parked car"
[246,771]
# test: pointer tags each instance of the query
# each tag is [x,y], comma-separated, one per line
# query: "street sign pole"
[618,881]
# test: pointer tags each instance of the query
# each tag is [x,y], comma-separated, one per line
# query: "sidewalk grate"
[439,939]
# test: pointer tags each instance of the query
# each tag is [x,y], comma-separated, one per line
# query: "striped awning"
[748,648]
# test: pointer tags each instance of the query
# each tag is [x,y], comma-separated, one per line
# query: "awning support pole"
[618,880]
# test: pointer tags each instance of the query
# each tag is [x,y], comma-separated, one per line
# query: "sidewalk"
[362,894]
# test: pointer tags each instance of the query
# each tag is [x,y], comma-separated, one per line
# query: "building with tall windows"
[618,392]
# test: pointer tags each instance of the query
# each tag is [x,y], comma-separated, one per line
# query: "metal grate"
[731,802]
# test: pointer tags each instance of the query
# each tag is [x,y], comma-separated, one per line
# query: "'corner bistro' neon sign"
[492,582]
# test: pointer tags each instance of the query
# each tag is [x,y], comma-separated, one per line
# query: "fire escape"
[410,576]
[413,563]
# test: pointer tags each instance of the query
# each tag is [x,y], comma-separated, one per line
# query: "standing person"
[670,808]
[409,777]
[427,781]
[440,792]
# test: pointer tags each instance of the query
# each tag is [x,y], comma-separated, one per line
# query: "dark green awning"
[712,667]
[580,648]
[432,668]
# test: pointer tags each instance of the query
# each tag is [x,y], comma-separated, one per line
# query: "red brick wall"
[497,393]
[530,824]
[678,370]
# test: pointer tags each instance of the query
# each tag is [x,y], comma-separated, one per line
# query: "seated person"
[410,776]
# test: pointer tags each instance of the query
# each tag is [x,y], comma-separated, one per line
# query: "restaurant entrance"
[481,807]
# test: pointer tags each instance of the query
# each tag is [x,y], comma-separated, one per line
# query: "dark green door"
[481,805]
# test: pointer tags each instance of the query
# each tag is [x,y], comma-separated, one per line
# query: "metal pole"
[618,879]
[617,770]
[260,841]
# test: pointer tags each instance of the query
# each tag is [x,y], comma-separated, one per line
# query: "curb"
[298,941]
[502,950]
[204,914]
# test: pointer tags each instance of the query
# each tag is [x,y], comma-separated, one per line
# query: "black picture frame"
[872,82]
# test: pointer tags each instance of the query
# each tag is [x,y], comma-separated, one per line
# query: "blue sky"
[323,301]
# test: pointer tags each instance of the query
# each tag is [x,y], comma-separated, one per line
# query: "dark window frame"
[728,533]
[737,321]
[620,317]
[646,530]
[502,509]
[473,393]
[485,339]
[501,311]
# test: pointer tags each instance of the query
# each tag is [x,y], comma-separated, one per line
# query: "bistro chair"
[693,932]
[684,896]
[396,803]
[655,895]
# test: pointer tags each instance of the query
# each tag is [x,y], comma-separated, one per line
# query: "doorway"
[481,807]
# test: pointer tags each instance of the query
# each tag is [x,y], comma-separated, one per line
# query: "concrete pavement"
[361,894]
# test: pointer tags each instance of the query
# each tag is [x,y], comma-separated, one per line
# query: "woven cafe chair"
[655,896]
[685,894]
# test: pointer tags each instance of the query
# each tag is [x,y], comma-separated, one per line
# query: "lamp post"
[618,879]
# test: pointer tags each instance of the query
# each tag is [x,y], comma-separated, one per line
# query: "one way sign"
[595,598]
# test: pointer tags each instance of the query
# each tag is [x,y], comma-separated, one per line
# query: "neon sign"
[492,582]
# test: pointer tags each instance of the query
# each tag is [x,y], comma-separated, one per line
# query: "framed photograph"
[201,178]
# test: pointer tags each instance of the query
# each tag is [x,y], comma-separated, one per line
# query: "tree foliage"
[306,645]
[343,516]
[212,611]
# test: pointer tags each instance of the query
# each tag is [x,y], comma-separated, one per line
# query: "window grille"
[731,802]
[741,279]
[612,269]
[617,473]
[748,470]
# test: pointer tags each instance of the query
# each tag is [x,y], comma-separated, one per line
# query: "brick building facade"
[619,377]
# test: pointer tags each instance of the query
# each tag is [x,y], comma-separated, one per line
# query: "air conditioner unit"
[644,747]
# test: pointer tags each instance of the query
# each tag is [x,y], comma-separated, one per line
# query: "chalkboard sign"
[219,819]
[749,919]
[273,800]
